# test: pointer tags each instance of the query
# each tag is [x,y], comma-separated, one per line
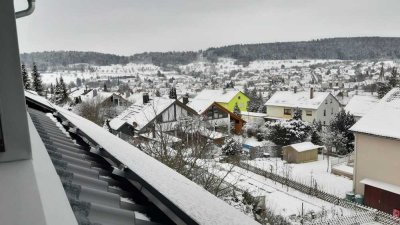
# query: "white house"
[318,106]
[377,151]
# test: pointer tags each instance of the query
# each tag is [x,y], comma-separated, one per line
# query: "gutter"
[28,11]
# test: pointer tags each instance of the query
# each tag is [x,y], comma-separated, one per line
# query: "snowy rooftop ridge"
[141,113]
[297,100]
[383,119]
[359,105]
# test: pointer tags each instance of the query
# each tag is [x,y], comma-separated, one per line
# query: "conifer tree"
[340,125]
[297,114]
[236,110]
[51,89]
[393,79]
[36,80]
[172,93]
[105,87]
[64,91]
[25,77]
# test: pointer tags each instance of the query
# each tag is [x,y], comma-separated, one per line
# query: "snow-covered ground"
[280,199]
[305,172]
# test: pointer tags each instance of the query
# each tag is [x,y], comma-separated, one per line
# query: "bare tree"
[184,146]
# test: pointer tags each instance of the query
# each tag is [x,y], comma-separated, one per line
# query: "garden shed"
[300,152]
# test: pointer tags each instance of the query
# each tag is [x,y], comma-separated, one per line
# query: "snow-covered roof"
[195,201]
[34,96]
[381,185]
[304,146]
[207,97]
[299,99]
[359,105]
[77,92]
[141,114]
[383,119]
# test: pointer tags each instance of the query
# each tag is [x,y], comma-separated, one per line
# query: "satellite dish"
[134,124]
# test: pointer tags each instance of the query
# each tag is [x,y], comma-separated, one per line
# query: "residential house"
[359,105]
[142,117]
[318,106]
[105,98]
[227,98]
[218,117]
[377,154]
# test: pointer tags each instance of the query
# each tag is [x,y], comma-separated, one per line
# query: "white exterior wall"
[317,114]
[377,159]
[277,111]
[329,107]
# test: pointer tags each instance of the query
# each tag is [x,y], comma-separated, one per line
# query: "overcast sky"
[132,26]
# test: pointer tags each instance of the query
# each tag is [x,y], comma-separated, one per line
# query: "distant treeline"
[357,48]
[63,59]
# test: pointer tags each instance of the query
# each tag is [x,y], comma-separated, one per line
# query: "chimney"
[146,98]
[185,99]
[311,93]
[295,89]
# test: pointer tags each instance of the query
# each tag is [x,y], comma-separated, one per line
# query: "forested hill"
[48,59]
[358,48]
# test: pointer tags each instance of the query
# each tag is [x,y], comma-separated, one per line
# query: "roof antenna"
[28,11]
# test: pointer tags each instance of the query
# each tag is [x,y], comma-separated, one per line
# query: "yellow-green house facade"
[240,99]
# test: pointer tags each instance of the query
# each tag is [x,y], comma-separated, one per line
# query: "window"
[331,101]
[308,112]
[332,111]
[287,111]
[324,112]
[215,113]
[2,148]
[210,114]
[238,97]
[324,123]
[326,102]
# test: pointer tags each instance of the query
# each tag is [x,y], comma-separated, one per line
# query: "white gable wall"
[331,110]
[171,115]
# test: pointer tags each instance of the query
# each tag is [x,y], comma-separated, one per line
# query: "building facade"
[314,106]
[377,154]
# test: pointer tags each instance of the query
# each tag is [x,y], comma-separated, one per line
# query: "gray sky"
[133,26]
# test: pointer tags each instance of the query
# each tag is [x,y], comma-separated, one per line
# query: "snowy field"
[305,172]
[280,199]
